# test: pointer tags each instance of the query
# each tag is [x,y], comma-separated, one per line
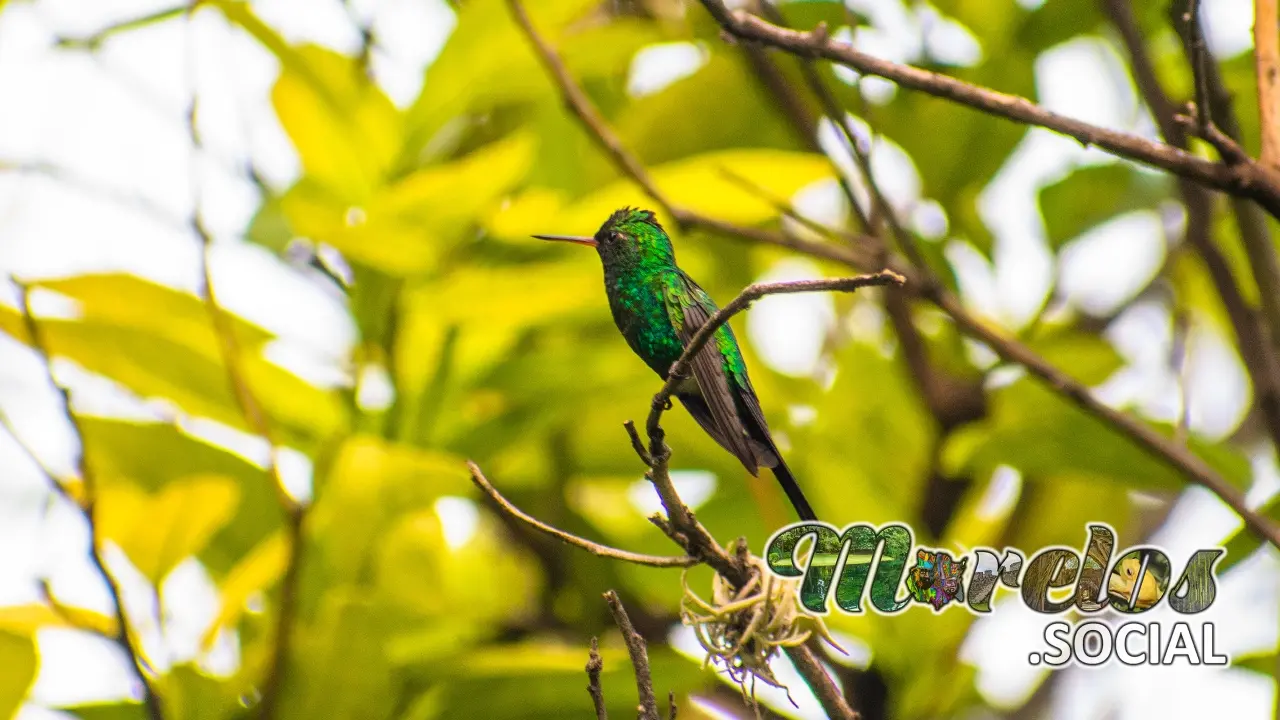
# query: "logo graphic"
[936,579]
[866,563]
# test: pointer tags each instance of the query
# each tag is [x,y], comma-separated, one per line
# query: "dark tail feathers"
[789,486]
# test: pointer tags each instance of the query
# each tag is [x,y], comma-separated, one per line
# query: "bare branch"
[592,547]
[1266,49]
[648,708]
[1161,447]
[87,505]
[1251,181]
[594,666]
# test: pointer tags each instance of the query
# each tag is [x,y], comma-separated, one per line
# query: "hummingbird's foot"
[666,405]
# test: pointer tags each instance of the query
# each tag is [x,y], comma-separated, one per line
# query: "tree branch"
[599,131]
[1251,181]
[592,547]
[87,504]
[1266,49]
[1187,463]
[648,708]
[1259,357]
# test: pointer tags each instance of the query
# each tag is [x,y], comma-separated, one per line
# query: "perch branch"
[87,505]
[592,547]
[1249,180]
[648,709]
[752,293]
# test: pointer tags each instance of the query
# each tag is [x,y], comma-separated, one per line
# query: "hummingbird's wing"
[716,410]
[726,405]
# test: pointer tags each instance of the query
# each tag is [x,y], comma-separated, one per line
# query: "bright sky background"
[112,123]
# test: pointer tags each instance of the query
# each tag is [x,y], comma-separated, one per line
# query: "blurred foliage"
[501,350]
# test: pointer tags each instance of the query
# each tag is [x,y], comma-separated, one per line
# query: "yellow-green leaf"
[18,663]
[347,135]
[159,531]
[403,227]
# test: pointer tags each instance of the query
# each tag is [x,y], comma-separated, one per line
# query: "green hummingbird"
[658,308]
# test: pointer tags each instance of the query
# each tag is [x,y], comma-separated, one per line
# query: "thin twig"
[1251,181]
[648,708]
[749,295]
[1266,48]
[594,666]
[637,444]
[87,505]
[599,131]
[95,40]
[477,476]
[254,415]
[1259,356]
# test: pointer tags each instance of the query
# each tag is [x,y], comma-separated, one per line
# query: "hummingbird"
[658,308]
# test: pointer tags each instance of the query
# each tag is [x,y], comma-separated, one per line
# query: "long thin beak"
[569,238]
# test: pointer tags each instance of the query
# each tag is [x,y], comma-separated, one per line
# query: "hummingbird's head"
[628,234]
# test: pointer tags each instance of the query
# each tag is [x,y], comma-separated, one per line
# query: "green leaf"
[420,574]
[871,402]
[1090,196]
[1086,357]
[667,125]
[371,484]
[270,226]
[20,660]
[1056,21]
[339,669]
[488,62]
